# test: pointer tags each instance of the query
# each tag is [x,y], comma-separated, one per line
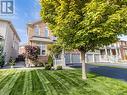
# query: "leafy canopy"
[85,24]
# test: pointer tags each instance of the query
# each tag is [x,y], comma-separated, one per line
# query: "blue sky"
[26,11]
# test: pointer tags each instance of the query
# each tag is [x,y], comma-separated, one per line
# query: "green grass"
[65,82]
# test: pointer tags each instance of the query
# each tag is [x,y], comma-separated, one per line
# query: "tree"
[55,49]
[85,24]
[32,53]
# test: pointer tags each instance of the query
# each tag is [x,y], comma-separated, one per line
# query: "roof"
[122,40]
[41,39]
[12,27]
[34,22]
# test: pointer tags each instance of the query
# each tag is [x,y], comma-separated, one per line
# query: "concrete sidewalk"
[18,65]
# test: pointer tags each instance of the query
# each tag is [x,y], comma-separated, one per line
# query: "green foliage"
[85,24]
[48,67]
[55,49]
[1,57]
[50,60]
[12,61]
[59,68]
[41,64]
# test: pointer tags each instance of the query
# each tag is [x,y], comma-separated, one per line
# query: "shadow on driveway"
[117,73]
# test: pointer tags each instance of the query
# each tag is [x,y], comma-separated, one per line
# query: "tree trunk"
[84,77]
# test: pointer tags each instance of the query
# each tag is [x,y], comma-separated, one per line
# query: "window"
[46,32]
[42,50]
[36,30]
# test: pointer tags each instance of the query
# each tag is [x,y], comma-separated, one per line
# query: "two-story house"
[9,39]
[39,35]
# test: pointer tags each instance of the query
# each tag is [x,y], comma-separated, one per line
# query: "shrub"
[50,60]
[32,52]
[12,62]
[2,58]
[59,68]
[48,67]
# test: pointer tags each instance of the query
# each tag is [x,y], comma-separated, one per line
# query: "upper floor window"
[36,30]
[46,34]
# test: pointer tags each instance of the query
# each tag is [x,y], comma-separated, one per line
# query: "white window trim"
[41,50]
[47,31]
[37,26]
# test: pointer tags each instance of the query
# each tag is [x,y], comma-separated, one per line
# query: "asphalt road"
[117,73]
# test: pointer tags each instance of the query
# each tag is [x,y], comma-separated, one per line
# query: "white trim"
[41,45]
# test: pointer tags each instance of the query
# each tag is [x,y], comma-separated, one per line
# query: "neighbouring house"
[114,53]
[22,49]
[9,39]
[40,35]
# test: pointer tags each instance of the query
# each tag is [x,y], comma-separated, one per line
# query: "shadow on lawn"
[111,72]
[117,73]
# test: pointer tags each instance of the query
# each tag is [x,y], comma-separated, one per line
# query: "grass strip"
[18,86]
[60,89]
[51,90]
[37,87]
[27,89]
[10,84]
[46,84]
[5,78]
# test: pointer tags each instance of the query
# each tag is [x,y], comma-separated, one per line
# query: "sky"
[26,11]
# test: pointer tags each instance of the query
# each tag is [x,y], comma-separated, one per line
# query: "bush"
[48,67]
[12,62]
[59,68]
[2,58]
[50,60]
[32,52]
[41,64]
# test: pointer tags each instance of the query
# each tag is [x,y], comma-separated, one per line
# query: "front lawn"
[66,82]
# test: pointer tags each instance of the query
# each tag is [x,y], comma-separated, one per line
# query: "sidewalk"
[18,65]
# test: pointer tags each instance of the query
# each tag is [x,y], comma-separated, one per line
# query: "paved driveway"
[117,73]
[18,65]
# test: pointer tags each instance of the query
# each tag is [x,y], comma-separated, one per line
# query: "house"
[114,53]
[40,35]
[9,40]
[22,49]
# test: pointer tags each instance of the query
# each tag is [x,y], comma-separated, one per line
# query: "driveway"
[112,72]
[18,65]
[117,71]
